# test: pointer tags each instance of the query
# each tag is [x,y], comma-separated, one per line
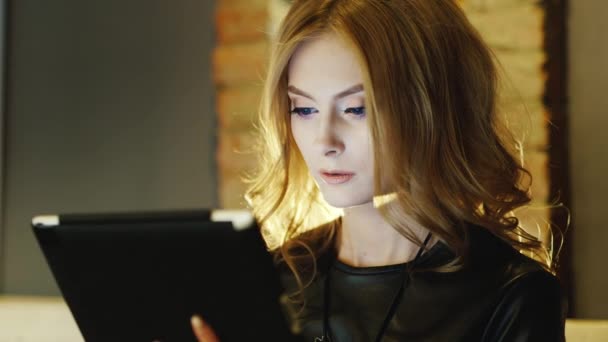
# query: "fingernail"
[196,321]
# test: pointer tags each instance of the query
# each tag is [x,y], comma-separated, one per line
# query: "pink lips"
[336,176]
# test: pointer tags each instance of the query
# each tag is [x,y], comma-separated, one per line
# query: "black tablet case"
[139,277]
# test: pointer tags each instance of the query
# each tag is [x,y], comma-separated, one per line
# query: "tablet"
[141,276]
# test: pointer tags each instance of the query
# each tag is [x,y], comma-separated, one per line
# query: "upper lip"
[336,172]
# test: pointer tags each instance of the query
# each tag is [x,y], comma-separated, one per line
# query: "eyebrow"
[351,90]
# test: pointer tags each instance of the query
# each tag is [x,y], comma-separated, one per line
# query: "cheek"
[365,149]
[300,136]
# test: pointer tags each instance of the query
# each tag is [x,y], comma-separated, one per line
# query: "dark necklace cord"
[391,312]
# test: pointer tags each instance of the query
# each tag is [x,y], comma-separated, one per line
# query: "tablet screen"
[140,277]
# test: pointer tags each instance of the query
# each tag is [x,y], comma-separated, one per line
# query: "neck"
[366,239]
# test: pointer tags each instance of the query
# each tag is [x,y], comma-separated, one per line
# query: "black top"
[501,295]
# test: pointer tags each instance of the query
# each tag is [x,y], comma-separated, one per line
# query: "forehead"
[325,62]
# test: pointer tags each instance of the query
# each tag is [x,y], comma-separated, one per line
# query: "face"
[328,120]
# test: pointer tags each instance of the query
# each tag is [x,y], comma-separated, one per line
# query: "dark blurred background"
[107,106]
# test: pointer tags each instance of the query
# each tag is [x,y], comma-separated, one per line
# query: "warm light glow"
[384,199]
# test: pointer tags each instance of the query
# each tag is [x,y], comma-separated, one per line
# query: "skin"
[332,133]
[328,122]
[202,331]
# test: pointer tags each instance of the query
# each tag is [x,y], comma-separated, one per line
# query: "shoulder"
[529,305]
[529,309]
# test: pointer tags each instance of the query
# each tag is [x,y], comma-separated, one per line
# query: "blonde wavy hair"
[431,91]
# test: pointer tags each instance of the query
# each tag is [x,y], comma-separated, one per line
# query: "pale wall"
[588,91]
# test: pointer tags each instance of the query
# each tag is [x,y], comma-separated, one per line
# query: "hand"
[202,331]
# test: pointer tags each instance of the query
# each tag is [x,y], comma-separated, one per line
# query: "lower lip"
[337,178]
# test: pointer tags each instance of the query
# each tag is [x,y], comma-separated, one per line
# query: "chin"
[345,200]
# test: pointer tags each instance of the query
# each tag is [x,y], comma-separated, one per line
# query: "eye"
[358,111]
[303,111]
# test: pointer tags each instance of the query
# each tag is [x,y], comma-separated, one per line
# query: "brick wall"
[513,28]
[238,65]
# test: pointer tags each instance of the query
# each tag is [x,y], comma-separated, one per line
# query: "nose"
[328,136]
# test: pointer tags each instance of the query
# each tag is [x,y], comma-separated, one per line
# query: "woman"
[386,186]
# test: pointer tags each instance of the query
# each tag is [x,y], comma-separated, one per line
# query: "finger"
[197,327]
[202,331]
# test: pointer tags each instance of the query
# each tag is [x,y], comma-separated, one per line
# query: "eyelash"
[299,111]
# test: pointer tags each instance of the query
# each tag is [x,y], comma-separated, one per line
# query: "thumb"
[202,331]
